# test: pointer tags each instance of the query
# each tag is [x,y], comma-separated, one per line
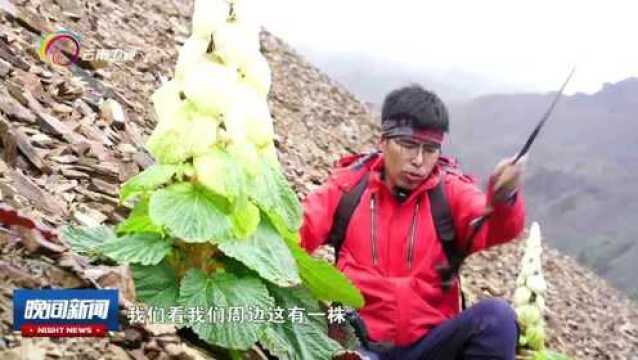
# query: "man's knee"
[498,308]
[496,330]
[496,312]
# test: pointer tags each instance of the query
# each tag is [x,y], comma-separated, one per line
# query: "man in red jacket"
[391,249]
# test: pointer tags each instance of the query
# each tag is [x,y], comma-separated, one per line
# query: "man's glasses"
[412,148]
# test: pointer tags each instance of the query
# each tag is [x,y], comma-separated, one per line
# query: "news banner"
[93,313]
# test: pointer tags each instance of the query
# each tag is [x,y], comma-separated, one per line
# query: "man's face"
[408,162]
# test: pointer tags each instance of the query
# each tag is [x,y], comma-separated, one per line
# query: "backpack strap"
[347,204]
[441,214]
[349,199]
[444,224]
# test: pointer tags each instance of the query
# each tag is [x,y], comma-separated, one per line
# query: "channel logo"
[65,313]
[59,48]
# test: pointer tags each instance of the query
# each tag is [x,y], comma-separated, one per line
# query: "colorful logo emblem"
[60,48]
[65,313]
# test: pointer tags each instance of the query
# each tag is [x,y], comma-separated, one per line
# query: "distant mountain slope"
[583,167]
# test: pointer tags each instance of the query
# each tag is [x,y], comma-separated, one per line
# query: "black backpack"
[441,215]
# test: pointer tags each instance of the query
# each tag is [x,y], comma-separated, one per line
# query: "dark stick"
[477,223]
[540,124]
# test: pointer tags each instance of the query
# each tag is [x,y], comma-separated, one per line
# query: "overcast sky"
[528,44]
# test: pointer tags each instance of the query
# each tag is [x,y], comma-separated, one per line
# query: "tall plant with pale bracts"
[214,223]
[529,301]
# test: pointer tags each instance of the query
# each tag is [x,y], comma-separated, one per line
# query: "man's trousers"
[486,330]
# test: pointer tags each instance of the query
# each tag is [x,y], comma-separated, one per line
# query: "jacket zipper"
[373,225]
[412,236]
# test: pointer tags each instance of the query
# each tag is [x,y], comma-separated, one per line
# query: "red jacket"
[403,302]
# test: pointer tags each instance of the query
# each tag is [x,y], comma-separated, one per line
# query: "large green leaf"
[224,291]
[149,179]
[324,280]
[309,338]
[139,221]
[277,343]
[190,212]
[141,248]
[85,240]
[269,154]
[266,253]
[245,218]
[272,193]
[155,285]
[217,171]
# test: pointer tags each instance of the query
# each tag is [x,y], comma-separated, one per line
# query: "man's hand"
[507,177]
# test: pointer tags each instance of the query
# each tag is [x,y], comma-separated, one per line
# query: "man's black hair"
[424,107]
